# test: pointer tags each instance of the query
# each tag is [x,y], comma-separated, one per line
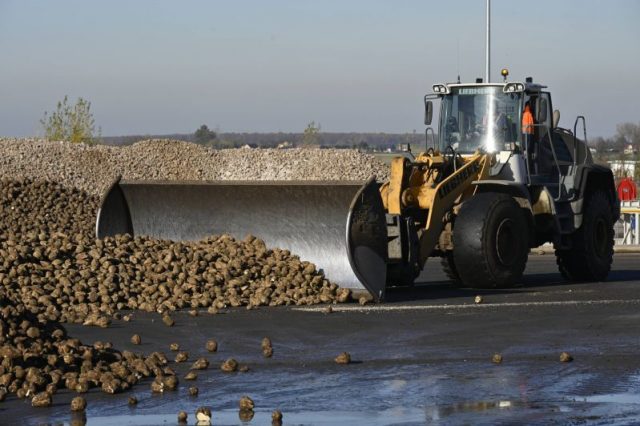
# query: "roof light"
[504,73]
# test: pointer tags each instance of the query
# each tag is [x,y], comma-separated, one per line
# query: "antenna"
[488,45]
[458,57]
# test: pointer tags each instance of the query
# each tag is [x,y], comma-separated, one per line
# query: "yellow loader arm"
[417,198]
[437,196]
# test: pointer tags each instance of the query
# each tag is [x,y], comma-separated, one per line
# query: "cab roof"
[528,87]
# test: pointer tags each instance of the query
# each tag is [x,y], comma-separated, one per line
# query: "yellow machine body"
[426,184]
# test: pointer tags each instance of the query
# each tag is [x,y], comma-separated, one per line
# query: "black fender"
[595,177]
[518,191]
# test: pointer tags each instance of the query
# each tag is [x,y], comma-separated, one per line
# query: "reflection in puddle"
[442,411]
[630,393]
[615,398]
[321,418]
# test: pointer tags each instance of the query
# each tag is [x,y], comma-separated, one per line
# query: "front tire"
[490,241]
[450,270]
[591,254]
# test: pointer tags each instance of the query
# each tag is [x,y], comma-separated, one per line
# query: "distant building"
[630,150]
[621,168]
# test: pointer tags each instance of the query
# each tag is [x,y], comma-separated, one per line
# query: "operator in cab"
[527,131]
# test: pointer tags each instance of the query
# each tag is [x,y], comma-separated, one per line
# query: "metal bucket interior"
[307,218]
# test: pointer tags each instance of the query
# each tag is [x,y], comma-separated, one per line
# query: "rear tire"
[490,241]
[591,254]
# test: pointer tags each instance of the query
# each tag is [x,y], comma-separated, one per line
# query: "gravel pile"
[93,168]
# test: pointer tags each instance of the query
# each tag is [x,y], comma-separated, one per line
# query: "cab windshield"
[479,117]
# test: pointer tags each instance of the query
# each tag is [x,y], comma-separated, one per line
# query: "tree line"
[75,123]
[311,136]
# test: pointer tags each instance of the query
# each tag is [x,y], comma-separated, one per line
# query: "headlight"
[440,88]
[513,87]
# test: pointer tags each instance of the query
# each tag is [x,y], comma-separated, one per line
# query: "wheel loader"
[480,196]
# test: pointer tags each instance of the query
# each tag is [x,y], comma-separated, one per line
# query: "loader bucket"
[367,239]
[307,218]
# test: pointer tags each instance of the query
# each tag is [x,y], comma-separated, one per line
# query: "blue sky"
[156,66]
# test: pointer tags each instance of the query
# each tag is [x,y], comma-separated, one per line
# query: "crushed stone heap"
[93,168]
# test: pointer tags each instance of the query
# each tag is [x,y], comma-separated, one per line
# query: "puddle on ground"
[397,395]
[320,418]
[392,416]
[443,412]
[630,393]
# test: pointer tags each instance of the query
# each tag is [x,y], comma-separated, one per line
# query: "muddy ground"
[425,356]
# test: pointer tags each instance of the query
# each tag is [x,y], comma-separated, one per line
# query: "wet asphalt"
[424,356]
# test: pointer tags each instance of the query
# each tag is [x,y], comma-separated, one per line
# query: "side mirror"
[542,110]
[556,118]
[428,112]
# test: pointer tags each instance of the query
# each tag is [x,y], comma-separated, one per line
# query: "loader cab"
[478,116]
[488,117]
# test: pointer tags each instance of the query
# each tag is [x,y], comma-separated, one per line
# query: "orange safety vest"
[527,122]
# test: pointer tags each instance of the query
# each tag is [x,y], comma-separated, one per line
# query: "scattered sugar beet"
[168,321]
[203,415]
[267,348]
[78,404]
[343,358]
[229,365]
[88,280]
[182,356]
[212,345]
[53,270]
[50,359]
[200,364]
[566,357]
[246,403]
[276,416]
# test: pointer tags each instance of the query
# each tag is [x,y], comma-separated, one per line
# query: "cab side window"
[543,110]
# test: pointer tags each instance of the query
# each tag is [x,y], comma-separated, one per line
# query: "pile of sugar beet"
[53,270]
